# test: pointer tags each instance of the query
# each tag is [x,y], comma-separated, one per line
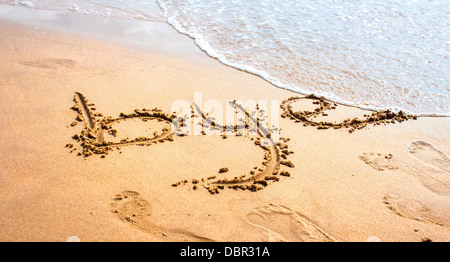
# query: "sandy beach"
[387,182]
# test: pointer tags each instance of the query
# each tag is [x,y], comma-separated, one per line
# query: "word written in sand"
[93,140]
[376,118]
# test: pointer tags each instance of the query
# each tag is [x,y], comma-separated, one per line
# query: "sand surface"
[388,181]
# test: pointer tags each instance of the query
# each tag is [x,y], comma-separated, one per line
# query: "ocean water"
[372,54]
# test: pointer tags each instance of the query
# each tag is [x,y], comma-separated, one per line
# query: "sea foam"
[372,54]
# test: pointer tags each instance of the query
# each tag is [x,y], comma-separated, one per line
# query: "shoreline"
[113,30]
[389,181]
[278,83]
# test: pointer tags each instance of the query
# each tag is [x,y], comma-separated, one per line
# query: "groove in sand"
[91,138]
[376,118]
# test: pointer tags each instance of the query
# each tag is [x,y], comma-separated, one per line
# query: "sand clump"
[223,170]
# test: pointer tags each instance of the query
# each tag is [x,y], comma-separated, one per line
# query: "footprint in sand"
[130,208]
[283,224]
[427,153]
[412,209]
[434,180]
[431,176]
[434,172]
[379,161]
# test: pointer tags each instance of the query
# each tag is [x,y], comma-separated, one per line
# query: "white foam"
[375,55]
[73,7]
[24,3]
[372,55]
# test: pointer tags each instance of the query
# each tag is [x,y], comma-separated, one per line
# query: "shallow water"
[376,54]
[373,54]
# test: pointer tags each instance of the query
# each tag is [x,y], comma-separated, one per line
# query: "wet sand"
[79,155]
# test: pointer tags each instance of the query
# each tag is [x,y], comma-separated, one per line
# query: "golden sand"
[117,171]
